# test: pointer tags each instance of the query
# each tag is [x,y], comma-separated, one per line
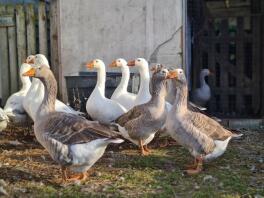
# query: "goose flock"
[76,143]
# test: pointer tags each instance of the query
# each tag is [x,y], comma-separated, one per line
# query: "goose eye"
[138,60]
[119,61]
[96,61]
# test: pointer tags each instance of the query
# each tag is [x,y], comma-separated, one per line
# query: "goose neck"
[124,80]
[101,77]
[158,93]
[144,81]
[26,83]
[50,92]
[180,103]
[202,79]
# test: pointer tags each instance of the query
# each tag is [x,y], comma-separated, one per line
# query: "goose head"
[41,59]
[205,72]
[95,64]
[41,72]
[179,76]
[141,63]
[24,68]
[120,62]
[30,59]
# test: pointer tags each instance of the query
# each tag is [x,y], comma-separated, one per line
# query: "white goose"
[3,120]
[36,93]
[202,95]
[98,106]
[121,95]
[143,95]
[14,105]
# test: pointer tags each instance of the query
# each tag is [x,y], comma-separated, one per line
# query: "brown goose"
[72,141]
[205,138]
[140,124]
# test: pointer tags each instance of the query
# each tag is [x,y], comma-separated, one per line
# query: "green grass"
[157,175]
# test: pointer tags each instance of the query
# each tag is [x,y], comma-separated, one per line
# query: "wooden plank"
[13,68]
[54,45]
[4,60]
[21,34]
[262,60]
[42,21]
[31,32]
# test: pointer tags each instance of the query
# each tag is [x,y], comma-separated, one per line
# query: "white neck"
[202,79]
[26,83]
[101,76]
[122,87]
[144,81]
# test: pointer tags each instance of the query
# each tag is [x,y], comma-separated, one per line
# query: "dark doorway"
[226,38]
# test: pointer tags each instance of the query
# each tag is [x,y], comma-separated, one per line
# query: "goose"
[98,106]
[140,124]
[3,120]
[14,105]
[171,90]
[121,95]
[143,95]
[202,95]
[36,93]
[204,137]
[72,141]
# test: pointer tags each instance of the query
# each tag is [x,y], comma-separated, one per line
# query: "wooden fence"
[228,42]
[24,29]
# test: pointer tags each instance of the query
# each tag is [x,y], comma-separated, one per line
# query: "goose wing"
[134,113]
[209,126]
[71,129]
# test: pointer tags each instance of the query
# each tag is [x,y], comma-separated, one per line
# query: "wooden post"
[4,65]
[31,32]
[13,67]
[42,21]
[54,43]
[21,35]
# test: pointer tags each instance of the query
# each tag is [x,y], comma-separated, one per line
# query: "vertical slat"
[21,35]
[42,21]
[262,59]
[13,68]
[4,59]
[31,32]
[54,44]
[239,66]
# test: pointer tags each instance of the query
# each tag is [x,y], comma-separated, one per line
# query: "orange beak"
[172,74]
[113,64]
[90,65]
[30,73]
[131,63]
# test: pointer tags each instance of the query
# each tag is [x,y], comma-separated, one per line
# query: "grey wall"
[108,29]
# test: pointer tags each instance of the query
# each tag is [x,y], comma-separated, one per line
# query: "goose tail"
[234,135]
[114,140]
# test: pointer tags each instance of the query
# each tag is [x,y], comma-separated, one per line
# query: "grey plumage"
[143,121]
[198,133]
[71,140]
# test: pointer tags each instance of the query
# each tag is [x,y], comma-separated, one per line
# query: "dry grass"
[29,171]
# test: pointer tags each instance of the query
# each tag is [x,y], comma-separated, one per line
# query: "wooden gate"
[228,42]
[23,31]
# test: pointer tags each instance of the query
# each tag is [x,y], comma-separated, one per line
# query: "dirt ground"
[26,170]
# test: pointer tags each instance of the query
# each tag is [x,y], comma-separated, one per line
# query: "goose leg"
[78,177]
[197,169]
[192,166]
[146,149]
[142,150]
[64,174]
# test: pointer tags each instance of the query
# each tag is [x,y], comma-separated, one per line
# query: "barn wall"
[108,29]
